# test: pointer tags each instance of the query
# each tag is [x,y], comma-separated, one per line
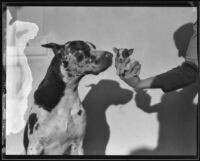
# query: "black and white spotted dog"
[57,120]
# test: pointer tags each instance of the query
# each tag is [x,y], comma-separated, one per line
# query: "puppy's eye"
[125,54]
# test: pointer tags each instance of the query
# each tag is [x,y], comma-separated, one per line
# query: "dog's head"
[78,58]
[122,54]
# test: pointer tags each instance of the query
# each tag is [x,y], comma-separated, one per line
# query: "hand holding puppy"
[127,67]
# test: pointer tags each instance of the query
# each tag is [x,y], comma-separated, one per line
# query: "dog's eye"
[65,63]
[91,59]
[80,57]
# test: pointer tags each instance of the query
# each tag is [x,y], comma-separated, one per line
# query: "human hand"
[132,69]
[131,73]
[132,81]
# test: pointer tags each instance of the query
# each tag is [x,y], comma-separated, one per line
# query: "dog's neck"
[71,79]
[56,87]
[68,101]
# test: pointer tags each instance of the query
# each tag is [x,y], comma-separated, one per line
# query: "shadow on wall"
[99,98]
[182,38]
[177,114]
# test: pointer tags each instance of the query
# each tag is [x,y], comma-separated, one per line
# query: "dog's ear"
[115,50]
[130,51]
[55,47]
[92,44]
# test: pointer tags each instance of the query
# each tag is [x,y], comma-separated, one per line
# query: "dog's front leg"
[80,148]
[35,149]
[74,149]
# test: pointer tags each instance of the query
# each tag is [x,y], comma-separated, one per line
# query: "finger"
[133,64]
[133,74]
[136,69]
[133,68]
[127,61]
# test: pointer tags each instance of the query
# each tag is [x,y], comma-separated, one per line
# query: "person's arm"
[137,83]
[174,79]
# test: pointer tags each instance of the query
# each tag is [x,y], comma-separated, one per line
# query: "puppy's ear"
[115,50]
[130,51]
[55,47]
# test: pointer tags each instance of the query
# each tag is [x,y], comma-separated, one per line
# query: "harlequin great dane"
[57,120]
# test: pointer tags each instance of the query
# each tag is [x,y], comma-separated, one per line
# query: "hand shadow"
[177,116]
[99,98]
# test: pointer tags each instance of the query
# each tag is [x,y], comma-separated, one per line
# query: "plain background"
[119,121]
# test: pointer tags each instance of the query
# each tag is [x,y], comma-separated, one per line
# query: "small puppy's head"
[78,58]
[122,53]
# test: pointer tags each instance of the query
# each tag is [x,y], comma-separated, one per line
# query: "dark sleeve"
[176,78]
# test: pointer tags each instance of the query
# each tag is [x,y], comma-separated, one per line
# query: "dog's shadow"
[98,99]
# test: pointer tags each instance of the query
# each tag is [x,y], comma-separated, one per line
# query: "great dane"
[57,120]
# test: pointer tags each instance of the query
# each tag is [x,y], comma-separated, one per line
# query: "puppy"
[125,64]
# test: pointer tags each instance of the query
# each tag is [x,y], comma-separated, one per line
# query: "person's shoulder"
[191,64]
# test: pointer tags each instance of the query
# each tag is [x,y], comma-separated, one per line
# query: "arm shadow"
[177,117]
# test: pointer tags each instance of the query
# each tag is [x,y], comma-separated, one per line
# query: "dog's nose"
[108,54]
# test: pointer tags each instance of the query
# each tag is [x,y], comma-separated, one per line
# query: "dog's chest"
[70,113]
[65,122]
[70,125]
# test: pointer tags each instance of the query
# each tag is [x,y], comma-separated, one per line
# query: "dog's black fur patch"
[92,45]
[32,120]
[125,53]
[79,112]
[70,74]
[42,152]
[68,150]
[25,139]
[79,57]
[52,87]
[80,45]
[66,63]
[36,126]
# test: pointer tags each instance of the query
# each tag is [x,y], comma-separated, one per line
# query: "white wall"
[126,128]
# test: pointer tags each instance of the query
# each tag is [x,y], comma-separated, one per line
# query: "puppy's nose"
[120,60]
[108,54]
